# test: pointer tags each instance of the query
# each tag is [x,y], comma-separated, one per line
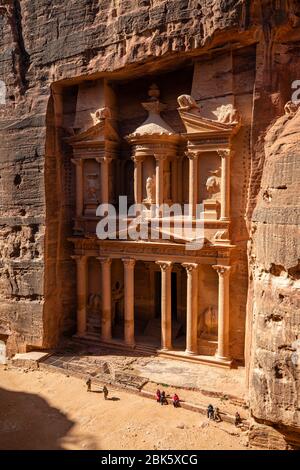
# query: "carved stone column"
[192,308]
[174,189]
[138,179]
[105,164]
[129,301]
[179,179]
[79,186]
[159,183]
[223,312]
[166,313]
[106,298]
[82,294]
[193,182]
[225,184]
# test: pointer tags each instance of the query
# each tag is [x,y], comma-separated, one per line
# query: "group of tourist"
[162,399]
[213,413]
[89,388]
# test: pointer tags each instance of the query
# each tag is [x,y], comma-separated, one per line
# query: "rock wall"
[46,42]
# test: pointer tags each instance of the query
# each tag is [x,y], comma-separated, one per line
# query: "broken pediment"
[95,135]
[228,121]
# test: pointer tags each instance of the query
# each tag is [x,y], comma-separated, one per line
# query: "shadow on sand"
[27,421]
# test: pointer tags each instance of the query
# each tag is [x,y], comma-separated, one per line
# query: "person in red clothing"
[158,395]
[175,400]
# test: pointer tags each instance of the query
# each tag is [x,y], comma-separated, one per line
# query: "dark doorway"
[174,296]
[157,294]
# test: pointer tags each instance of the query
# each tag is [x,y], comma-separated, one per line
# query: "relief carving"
[291,108]
[100,115]
[150,189]
[227,114]
[208,323]
[213,183]
[92,187]
[187,102]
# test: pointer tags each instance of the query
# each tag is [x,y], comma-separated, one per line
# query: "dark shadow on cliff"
[27,421]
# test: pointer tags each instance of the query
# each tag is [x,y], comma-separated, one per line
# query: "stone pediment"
[94,136]
[160,235]
[196,124]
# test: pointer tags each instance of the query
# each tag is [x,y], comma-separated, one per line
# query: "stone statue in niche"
[150,189]
[187,102]
[92,187]
[209,323]
[167,185]
[227,114]
[94,303]
[213,183]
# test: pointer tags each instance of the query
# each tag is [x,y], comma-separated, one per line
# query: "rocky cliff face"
[44,42]
[275,271]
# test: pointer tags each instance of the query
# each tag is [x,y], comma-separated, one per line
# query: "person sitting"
[175,400]
[210,412]
[163,400]
[217,417]
[158,395]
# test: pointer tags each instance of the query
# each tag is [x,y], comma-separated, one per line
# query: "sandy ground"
[42,410]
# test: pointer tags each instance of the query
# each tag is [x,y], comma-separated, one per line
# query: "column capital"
[164,265]
[190,267]
[137,158]
[160,156]
[79,258]
[103,159]
[192,155]
[77,161]
[104,261]
[221,270]
[224,153]
[129,262]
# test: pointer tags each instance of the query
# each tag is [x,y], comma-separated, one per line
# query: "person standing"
[105,391]
[89,384]
[158,395]
[210,412]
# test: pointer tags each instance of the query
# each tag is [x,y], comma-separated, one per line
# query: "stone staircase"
[207,347]
[153,328]
[93,323]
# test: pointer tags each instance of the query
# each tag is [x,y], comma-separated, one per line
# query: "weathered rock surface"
[43,42]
